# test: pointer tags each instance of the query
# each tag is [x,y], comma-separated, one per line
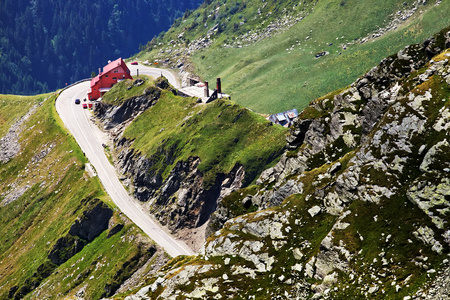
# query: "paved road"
[155,72]
[191,91]
[86,134]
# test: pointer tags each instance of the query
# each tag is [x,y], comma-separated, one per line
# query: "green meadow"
[281,72]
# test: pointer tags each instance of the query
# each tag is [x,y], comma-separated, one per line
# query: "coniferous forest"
[45,44]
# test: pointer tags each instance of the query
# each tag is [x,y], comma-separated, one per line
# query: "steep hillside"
[265,51]
[46,44]
[59,233]
[357,208]
[182,156]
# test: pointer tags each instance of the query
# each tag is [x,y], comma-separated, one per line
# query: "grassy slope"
[13,107]
[31,225]
[122,92]
[268,78]
[221,133]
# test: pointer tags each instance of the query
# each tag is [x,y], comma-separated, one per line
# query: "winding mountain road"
[89,137]
[155,72]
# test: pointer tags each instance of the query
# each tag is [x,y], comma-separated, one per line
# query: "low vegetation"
[359,213]
[13,107]
[222,134]
[281,72]
[128,89]
[50,189]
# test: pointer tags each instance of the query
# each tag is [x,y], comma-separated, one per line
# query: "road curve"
[86,134]
[155,72]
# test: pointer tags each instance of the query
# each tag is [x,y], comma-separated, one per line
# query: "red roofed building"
[112,73]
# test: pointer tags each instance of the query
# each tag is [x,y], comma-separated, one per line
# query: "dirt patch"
[193,237]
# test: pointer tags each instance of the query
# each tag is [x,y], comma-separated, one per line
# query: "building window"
[114,78]
[116,71]
[106,76]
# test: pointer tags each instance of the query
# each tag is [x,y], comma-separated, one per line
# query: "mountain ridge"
[174,169]
[353,203]
[357,206]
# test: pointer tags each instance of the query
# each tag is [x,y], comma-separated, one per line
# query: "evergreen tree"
[44,44]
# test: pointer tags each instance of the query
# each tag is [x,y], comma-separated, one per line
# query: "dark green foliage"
[65,248]
[46,44]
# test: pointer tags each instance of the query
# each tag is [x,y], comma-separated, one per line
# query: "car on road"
[134,63]
[85,105]
[77,101]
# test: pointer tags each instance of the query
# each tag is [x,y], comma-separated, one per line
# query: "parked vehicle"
[77,101]
[85,105]
[134,63]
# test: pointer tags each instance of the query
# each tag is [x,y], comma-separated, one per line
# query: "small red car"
[84,105]
[134,63]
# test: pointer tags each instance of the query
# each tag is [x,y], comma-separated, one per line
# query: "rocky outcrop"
[439,287]
[181,200]
[349,117]
[85,229]
[114,115]
[9,144]
[358,205]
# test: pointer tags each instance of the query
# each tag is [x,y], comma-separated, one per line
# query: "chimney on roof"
[206,89]
[219,86]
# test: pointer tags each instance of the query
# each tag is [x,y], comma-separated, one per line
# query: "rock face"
[82,232]
[352,116]
[180,200]
[358,207]
[113,115]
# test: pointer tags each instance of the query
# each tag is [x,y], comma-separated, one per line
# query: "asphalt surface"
[87,135]
[144,70]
